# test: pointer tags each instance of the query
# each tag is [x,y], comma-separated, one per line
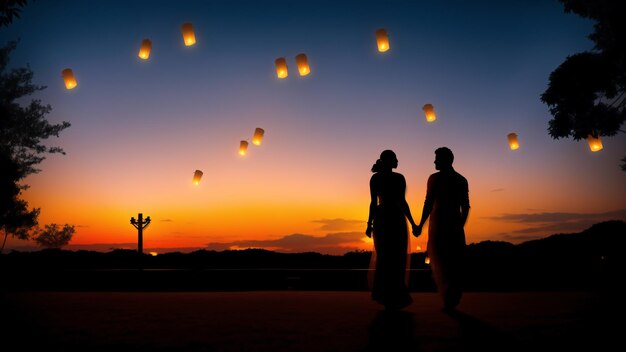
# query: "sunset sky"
[141,128]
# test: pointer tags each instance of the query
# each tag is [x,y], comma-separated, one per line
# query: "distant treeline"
[590,259]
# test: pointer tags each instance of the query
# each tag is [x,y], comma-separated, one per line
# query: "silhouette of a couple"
[447,204]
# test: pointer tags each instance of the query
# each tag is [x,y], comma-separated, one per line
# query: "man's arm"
[465,206]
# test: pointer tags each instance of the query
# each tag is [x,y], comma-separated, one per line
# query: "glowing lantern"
[144,51]
[429,110]
[68,77]
[427,260]
[595,144]
[303,64]
[382,39]
[258,136]
[243,148]
[513,142]
[281,67]
[196,177]
[188,36]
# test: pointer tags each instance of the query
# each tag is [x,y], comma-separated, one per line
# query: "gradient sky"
[141,128]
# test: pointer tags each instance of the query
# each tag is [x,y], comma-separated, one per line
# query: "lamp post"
[140,224]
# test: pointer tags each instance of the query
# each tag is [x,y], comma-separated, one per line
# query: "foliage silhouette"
[587,92]
[10,9]
[53,236]
[22,132]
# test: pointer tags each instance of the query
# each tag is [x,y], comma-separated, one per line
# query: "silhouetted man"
[447,203]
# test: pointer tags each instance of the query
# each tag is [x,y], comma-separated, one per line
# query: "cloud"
[332,243]
[550,223]
[559,217]
[339,224]
[497,190]
[166,220]
[519,238]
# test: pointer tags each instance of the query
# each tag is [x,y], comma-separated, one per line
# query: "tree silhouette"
[10,9]
[53,236]
[15,218]
[587,92]
[22,131]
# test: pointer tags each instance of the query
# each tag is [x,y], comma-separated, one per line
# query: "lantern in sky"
[595,144]
[68,77]
[196,177]
[188,36]
[144,51]
[426,260]
[281,67]
[382,39]
[258,136]
[513,141]
[429,110]
[243,147]
[303,64]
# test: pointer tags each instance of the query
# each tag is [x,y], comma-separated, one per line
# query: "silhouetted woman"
[388,213]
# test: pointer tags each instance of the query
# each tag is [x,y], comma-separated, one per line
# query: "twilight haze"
[140,128]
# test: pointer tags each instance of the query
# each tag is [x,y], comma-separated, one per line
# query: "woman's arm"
[404,205]
[428,205]
[372,210]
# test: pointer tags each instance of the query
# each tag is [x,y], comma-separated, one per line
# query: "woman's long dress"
[391,242]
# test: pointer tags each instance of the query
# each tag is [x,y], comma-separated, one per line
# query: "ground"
[303,321]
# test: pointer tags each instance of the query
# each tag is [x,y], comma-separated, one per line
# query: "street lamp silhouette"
[140,224]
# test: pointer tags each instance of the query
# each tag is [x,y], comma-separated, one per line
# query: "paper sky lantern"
[595,144]
[144,51]
[68,77]
[281,67]
[429,111]
[243,148]
[196,177]
[188,36]
[382,39]
[426,260]
[258,136]
[513,141]
[303,64]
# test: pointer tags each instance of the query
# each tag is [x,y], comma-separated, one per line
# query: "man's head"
[443,158]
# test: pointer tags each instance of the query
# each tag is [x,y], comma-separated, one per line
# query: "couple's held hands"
[417,230]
